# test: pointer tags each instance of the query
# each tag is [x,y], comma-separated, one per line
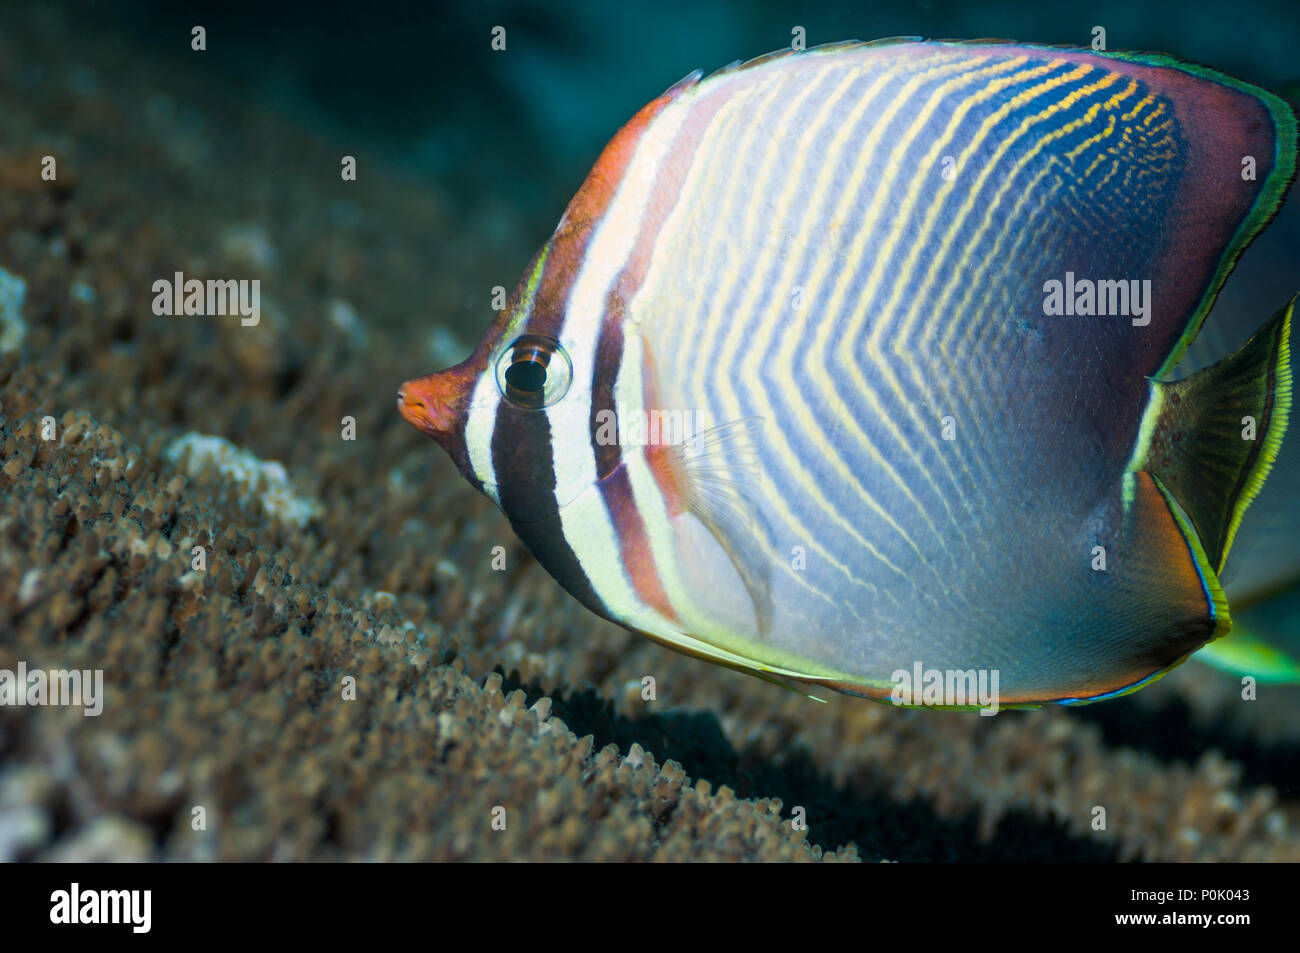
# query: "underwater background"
[370,558]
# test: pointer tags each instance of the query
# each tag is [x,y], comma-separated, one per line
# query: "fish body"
[855,360]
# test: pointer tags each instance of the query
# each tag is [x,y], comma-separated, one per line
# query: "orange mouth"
[415,403]
[434,404]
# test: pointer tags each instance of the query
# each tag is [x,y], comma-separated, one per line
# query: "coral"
[268,481]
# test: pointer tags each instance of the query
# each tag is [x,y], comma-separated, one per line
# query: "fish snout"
[414,404]
[433,403]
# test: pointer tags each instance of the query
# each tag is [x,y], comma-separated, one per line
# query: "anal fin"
[1164,603]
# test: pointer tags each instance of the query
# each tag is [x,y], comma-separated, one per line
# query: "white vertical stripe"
[478,429]
[590,532]
[608,249]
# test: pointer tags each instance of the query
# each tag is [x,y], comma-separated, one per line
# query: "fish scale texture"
[475,689]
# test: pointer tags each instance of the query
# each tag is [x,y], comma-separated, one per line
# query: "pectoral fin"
[718,473]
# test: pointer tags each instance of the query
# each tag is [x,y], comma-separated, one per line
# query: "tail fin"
[1246,652]
[1217,433]
[1265,641]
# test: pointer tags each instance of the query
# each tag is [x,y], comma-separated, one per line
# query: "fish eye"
[533,372]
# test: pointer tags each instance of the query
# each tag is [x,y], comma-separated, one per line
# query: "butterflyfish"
[863,360]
